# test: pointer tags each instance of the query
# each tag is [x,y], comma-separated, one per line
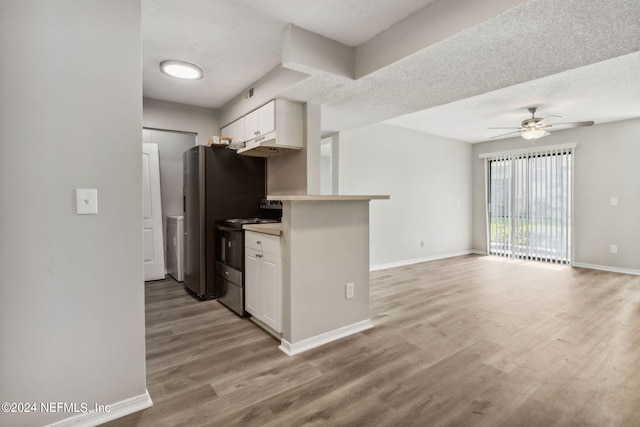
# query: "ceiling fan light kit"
[534,133]
[536,127]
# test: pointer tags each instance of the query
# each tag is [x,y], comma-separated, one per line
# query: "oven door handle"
[223,250]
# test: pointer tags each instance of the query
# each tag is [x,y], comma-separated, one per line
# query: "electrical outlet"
[349,291]
[422,243]
[613,249]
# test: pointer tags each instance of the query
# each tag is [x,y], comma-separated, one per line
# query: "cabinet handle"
[258,256]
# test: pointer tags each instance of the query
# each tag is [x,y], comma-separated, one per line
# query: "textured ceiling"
[603,92]
[239,41]
[574,58]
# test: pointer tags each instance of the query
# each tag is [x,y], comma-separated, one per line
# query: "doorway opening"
[329,164]
[170,147]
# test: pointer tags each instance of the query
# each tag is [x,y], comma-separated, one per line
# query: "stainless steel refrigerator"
[218,184]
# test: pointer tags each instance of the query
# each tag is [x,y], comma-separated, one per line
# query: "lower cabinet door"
[252,283]
[272,291]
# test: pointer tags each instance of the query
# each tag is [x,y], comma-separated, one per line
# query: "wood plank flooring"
[466,341]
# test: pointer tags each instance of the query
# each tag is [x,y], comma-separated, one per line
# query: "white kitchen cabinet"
[252,277]
[235,130]
[263,279]
[270,130]
[260,121]
[273,129]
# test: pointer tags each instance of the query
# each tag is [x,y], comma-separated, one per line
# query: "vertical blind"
[529,203]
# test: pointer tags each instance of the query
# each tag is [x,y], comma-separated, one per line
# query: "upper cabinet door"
[251,125]
[235,130]
[267,118]
[260,121]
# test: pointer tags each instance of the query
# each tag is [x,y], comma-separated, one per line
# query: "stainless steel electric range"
[229,266]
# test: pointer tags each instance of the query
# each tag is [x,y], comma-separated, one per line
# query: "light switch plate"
[86,201]
[614,201]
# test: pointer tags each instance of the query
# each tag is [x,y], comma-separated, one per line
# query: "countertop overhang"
[271,228]
[324,197]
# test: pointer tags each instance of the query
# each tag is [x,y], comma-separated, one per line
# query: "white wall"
[606,165]
[429,181]
[180,117]
[72,296]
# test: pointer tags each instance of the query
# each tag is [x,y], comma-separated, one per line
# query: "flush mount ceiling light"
[181,69]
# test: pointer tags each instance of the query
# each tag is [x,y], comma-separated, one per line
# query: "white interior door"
[152,214]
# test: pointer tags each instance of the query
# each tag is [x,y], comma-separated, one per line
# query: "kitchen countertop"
[274,228]
[324,197]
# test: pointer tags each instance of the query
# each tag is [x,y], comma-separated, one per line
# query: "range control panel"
[270,204]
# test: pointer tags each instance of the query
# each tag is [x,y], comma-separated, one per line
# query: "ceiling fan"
[537,127]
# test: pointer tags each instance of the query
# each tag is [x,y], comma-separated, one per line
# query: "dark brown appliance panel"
[218,184]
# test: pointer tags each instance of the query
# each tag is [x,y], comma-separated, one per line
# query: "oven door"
[230,247]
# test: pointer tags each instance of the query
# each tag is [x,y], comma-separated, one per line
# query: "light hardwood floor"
[471,340]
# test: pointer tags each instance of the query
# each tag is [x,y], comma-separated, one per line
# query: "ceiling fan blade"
[512,127]
[543,124]
[571,124]
[505,134]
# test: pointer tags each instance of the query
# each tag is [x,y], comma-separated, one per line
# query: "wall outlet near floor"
[349,291]
[422,243]
[613,249]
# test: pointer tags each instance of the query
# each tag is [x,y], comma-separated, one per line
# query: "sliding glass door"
[529,205]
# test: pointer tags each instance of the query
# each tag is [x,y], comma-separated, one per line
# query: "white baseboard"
[327,337]
[116,410]
[425,259]
[478,252]
[607,268]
